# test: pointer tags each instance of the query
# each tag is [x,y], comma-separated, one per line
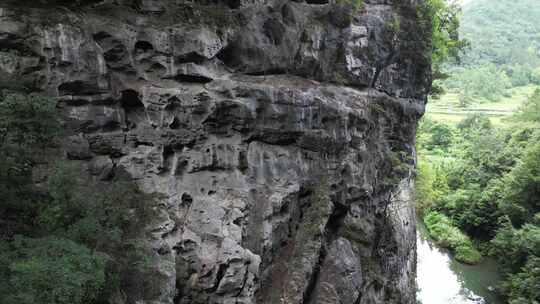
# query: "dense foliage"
[82,233]
[484,182]
[445,234]
[443,19]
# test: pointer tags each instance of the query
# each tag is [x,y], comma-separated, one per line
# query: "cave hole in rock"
[229,56]
[335,221]
[116,53]
[77,87]
[274,30]
[133,107]
[156,69]
[168,158]
[192,78]
[175,123]
[101,36]
[191,57]
[143,46]
[186,199]
[317,1]
[233,4]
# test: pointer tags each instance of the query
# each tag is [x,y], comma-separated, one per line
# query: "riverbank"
[443,280]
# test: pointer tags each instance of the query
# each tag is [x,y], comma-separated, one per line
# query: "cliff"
[280,134]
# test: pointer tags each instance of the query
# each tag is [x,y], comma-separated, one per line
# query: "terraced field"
[447,109]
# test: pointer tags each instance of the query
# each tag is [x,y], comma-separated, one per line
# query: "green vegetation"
[70,240]
[442,19]
[445,234]
[478,184]
[504,50]
[49,270]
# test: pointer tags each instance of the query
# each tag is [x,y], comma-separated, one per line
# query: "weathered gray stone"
[271,128]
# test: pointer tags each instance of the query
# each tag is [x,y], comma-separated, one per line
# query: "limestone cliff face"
[280,133]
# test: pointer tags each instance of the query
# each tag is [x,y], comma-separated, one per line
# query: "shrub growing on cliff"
[78,226]
[27,121]
[27,124]
[49,270]
[70,240]
[110,218]
[440,19]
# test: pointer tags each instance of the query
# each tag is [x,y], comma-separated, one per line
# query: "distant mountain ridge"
[502,31]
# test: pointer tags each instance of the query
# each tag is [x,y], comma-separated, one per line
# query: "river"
[443,280]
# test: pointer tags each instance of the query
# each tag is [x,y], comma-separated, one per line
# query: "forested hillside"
[500,30]
[478,183]
[504,50]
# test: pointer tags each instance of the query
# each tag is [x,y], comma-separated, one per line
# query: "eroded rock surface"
[281,134]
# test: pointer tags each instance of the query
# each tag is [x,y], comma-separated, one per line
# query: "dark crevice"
[359,298]
[133,108]
[167,156]
[115,54]
[244,281]
[191,57]
[192,78]
[144,143]
[274,30]
[317,1]
[101,36]
[314,279]
[233,4]
[130,100]
[175,123]
[143,46]
[333,225]
[77,87]
[268,72]
[179,287]
[335,221]
[186,200]
[379,69]
[243,163]
[219,276]
[228,56]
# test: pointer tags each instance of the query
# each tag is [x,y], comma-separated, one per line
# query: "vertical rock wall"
[280,133]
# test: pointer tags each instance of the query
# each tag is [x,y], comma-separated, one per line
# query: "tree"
[530,111]
[49,270]
[523,287]
[441,136]
[522,187]
[443,18]
[475,122]
[27,123]
[86,235]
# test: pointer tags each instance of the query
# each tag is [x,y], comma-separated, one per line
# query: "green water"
[443,280]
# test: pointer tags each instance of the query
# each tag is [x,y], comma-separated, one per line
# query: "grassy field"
[447,109]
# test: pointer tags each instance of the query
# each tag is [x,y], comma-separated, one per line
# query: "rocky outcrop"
[280,133]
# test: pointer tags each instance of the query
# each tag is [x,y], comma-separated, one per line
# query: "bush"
[530,111]
[441,229]
[442,19]
[27,121]
[49,270]
[522,187]
[523,287]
